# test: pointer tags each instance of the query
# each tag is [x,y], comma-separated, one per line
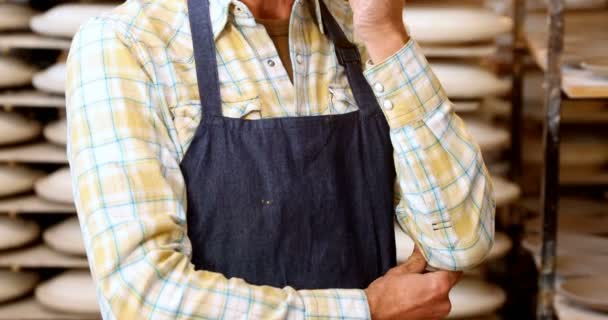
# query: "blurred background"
[492,58]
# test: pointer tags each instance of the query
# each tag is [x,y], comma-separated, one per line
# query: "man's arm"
[131,201]
[445,196]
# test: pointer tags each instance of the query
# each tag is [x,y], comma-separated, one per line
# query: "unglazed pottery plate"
[452,24]
[71,291]
[16,179]
[598,66]
[17,232]
[591,292]
[65,237]
[14,128]
[15,284]
[57,186]
[56,132]
[472,297]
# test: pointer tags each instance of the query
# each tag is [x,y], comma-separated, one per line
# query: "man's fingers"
[416,262]
[445,279]
[454,277]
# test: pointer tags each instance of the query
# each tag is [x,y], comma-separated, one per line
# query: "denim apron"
[305,202]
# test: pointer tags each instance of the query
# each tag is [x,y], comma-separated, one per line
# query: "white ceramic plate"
[502,245]
[51,79]
[72,291]
[57,186]
[16,232]
[488,137]
[14,16]
[472,297]
[591,292]
[17,179]
[598,66]
[65,237]
[15,72]
[505,192]
[468,81]
[15,128]
[566,310]
[56,132]
[16,284]
[453,24]
[570,243]
[64,20]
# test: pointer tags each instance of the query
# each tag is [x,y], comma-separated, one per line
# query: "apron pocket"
[341,99]
[250,109]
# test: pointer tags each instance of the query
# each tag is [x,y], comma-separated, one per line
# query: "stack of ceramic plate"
[16,233]
[43,265]
[459,39]
[582,243]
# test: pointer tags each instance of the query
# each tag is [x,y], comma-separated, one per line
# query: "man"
[243,159]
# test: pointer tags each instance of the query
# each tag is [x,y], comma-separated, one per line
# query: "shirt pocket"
[249,108]
[341,99]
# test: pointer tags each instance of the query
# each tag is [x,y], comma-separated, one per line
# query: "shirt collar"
[219,10]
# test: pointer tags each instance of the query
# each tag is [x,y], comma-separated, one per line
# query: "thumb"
[415,263]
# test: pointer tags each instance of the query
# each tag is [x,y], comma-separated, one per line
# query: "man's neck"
[270,9]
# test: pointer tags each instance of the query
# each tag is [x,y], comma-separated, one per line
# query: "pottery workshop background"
[495,82]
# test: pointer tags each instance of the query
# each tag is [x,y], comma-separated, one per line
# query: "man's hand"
[404,293]
[379,23]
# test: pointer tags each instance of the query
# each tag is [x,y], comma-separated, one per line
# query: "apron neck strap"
[348,56]
[207,70]
[205,58]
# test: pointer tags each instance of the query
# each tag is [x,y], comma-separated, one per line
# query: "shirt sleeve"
[443,189]
[130,198]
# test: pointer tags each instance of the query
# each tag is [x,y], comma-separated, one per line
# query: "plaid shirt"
[133,107]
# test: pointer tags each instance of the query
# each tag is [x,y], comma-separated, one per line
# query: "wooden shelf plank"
[29,308]
[40,256]
[30,98]
[585,37]
[28,40]
[31,203]
[38,152]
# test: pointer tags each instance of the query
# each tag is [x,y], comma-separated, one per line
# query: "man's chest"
[254,83]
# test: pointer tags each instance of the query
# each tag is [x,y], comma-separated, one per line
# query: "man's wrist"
[385,44]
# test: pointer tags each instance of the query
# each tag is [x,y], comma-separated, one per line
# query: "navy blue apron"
[305,202]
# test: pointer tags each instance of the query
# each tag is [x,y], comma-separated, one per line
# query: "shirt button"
[379,87]
[387,105]
[299,58]
[271,62]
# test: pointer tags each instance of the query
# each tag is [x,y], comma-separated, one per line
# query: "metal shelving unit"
[549,53]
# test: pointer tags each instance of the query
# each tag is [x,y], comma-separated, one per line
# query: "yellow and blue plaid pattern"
[133,107]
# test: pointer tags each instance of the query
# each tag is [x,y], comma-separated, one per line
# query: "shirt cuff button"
[378,87]
[387,105]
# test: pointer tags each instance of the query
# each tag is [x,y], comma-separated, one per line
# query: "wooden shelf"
[585,37]
[31,98]
[26,40]
[573,111]
[40,256]
[29,308]
[31,203]
[38,152]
